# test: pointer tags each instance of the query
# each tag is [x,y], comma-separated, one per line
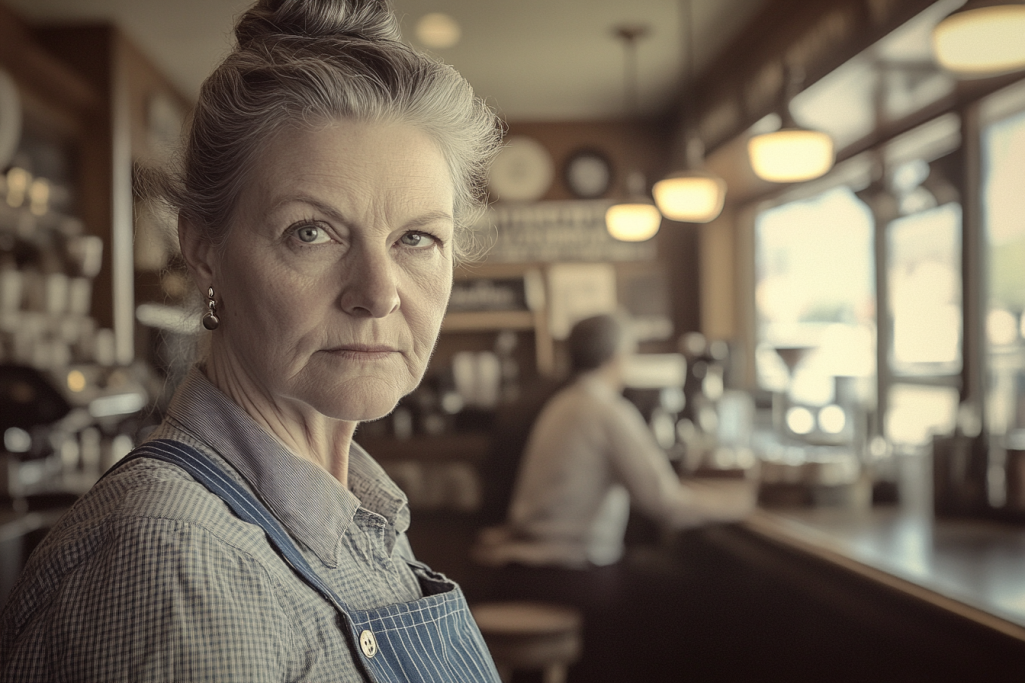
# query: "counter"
[971,568]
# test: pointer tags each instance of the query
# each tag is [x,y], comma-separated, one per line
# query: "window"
[1003,171]
[815,295]
[925,291]
[818,299]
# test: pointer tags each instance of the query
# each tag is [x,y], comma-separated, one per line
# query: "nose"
[371,284]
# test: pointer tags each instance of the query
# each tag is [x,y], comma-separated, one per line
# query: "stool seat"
[530,635]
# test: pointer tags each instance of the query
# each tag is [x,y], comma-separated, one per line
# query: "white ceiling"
[533,60]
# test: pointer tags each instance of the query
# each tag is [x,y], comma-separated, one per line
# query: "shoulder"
[144,507]
[146,552]
[148,489]
[589,401]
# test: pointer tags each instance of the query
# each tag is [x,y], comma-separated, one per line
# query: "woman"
[328,173]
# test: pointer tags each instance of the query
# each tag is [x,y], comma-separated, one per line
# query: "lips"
[365,348]
[363,351]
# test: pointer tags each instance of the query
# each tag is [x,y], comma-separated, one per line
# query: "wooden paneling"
[745,82]
[639,145]
[631,145]
[40,72]
[116,136]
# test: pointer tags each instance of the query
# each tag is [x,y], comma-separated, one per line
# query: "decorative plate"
[522,172]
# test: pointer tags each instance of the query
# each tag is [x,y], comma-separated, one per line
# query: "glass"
[924,273]
[815,295]
[1003,150]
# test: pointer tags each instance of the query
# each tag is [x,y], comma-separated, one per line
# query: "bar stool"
[530,636]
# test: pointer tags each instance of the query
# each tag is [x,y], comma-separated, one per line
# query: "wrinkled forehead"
[354,166]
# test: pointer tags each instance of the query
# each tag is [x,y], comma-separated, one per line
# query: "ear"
[199,254]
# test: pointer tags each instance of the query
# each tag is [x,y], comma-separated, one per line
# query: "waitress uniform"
[212,553]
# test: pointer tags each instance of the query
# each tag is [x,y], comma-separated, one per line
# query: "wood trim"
[40,72]
[817,36]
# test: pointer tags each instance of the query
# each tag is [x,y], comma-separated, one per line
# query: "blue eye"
[418,240]
[308,234]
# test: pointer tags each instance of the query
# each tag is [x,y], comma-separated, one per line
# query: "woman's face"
[335,276]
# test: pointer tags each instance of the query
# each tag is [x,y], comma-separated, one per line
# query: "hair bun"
[367,19]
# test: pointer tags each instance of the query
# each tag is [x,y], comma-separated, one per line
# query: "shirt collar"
[312,505]
[592,383]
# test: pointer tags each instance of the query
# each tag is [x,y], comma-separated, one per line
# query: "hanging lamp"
[636,218]
[692,194]
[983,38]
[791,154]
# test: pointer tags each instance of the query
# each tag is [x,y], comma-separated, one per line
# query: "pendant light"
[637,218]
[983,38]
[690,195]
[791,154]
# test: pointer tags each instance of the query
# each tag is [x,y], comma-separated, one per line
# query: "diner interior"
[812,214]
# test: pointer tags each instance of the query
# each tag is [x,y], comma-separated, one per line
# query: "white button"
[368,643]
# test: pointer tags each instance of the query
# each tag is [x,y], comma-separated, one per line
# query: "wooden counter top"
[972,568]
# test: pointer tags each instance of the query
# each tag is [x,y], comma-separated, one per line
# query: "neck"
[610,374]
[302,430]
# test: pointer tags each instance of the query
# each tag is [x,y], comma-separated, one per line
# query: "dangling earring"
[210,320]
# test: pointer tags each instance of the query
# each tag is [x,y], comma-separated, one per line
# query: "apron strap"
[249,509]
[242,503]
[460,653]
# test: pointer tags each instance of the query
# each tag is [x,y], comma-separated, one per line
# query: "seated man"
[589,456]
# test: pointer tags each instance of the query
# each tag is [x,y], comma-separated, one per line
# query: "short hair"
[594,341]
[303,63]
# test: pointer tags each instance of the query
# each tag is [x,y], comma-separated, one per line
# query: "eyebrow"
[302,198]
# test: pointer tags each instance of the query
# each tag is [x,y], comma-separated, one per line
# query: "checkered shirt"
[150,577]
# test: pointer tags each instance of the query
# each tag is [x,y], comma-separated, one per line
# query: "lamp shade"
[981,41]
[790,155]
[633,221]
[690,196]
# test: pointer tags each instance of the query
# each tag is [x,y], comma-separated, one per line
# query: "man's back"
[568,497]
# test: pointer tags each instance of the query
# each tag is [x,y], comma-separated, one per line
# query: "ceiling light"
[982,39]
[790,155]
[633,221]
[636,218]
[691,195]
[438,31]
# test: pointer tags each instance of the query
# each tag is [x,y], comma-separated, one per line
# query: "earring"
[210,320]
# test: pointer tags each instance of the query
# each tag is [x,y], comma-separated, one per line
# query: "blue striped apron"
[430,640]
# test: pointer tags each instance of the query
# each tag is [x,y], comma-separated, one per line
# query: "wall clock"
[522,172]
[588,174]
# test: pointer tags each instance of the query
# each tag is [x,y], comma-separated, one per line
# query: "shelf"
[485,321]
[468,447]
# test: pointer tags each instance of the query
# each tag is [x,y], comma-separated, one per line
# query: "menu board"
[489,294]
[555,232]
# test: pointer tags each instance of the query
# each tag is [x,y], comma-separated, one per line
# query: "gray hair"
[302,63]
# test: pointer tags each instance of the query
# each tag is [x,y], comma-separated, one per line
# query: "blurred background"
[812,212]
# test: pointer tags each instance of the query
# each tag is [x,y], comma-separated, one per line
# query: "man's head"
[595,341]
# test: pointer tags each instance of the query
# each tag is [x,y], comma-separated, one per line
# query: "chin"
[361,403]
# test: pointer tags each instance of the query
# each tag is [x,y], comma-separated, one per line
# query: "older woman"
[328,173]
